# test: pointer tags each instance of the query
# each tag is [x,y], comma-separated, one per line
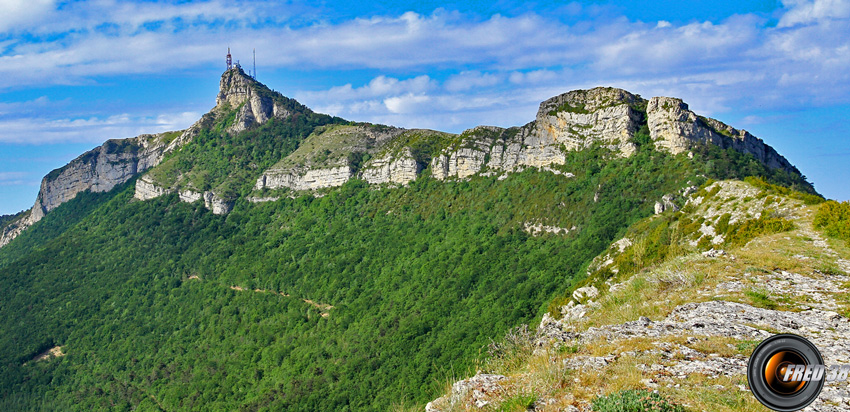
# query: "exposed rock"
[714,253]
[216,204]
[304,178]
[146,189]
[15,227]
[587,292]
[401,168]
[537,229]
[239,90]
[473,391]
[98,170]
[674,128]
[665,204]
[582,118]
[323,160]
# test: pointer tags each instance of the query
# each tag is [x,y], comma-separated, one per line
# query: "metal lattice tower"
[255,64]
[229,60]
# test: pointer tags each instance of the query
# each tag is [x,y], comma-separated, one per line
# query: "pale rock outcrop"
[400,169]
[572,121]
[15,227]
[666,203]
[238,89]
[147,189]
[304,178]
[582,118]
[473,391]
[216,204]
[676,129]
[98,170]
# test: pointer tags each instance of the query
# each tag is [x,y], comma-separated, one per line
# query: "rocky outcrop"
[674,128]
[400,169]
[98,170]
[15,227]
[304,179]
[473,391]
[254,101]
[582,118]
[147,189]
[576,120]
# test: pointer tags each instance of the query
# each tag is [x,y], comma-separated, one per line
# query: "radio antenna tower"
[229,60]
[255,64]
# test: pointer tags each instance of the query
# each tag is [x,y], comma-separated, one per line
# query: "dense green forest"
[357,300]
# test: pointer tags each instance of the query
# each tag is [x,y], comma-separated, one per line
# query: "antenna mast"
[229,60]
[255,64]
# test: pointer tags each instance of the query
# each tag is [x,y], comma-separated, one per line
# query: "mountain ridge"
[574,120]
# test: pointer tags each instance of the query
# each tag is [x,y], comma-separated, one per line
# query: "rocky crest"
[685,326]
[331,156]
[98,170]
[676,129]
[254,100]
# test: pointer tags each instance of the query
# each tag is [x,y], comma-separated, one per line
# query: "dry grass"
[654,293]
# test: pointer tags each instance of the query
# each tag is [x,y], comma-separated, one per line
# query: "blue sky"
[73,74]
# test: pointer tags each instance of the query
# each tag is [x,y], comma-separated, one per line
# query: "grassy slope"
[660,286]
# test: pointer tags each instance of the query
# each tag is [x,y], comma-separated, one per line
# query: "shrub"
[834,218]
[635,400]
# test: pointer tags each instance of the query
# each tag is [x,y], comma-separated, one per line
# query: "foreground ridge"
[685,326]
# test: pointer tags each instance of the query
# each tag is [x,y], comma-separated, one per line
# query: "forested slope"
[420,278]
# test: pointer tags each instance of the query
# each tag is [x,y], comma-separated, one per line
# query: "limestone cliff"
[98,170]
[676,129]
[332,156]
[254,101]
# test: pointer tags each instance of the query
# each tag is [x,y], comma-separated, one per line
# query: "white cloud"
[467,80]
[41,130]
[488,65]
[21,13]
[812,11]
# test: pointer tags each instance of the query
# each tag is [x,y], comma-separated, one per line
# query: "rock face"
[329,159]
[399,169]
[239,90]
[673,127]
[581,118]
[305,179]
[98,170]
[473,391]
[146,190]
